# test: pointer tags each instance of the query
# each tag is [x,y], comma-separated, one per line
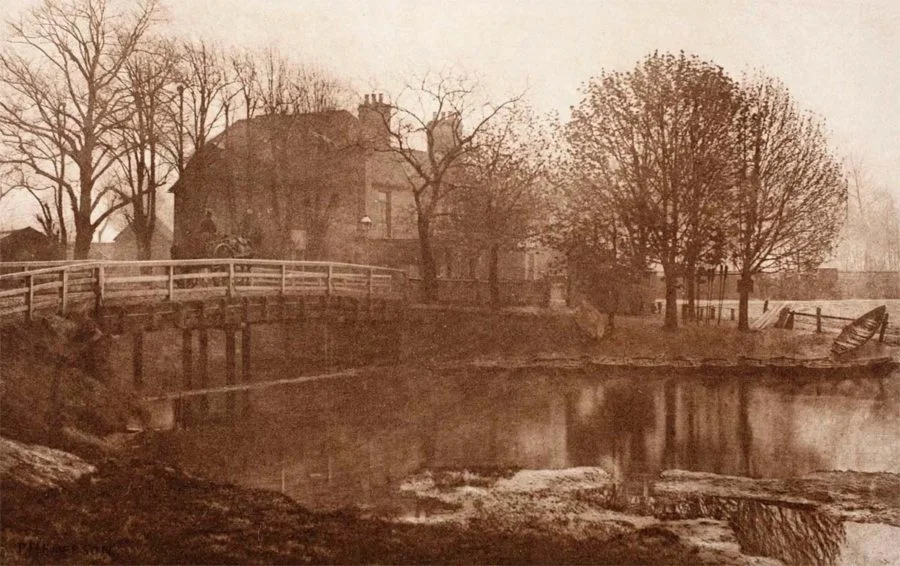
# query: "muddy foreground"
[58,508]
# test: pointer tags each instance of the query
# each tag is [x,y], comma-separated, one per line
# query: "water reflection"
[334,443]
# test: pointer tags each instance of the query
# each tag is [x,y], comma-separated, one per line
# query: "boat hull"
[858,332]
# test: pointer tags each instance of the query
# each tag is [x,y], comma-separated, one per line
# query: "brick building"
[300,186]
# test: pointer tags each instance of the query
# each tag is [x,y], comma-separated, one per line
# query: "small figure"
[207,226]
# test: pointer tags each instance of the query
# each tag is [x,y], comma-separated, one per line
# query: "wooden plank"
[261,384]
[64,292]
[14,292]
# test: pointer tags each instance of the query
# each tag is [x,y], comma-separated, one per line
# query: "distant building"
[124,244]
[27,244]
[323,186]
[298,185]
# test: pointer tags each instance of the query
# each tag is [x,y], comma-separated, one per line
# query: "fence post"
[29,299]
[818,319]
[371,282]
[732,314]
[328,281]
[63,291]
[99,289]
[229,292]
[766,305]
[171,273]
[884,323]
[283,278]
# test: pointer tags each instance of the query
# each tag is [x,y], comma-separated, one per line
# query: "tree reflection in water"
[614,433]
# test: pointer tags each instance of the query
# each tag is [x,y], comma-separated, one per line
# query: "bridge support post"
[246,349]
[230,370]
[184,406]
[137,359]
[204,359]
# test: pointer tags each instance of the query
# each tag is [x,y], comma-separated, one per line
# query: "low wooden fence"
[834,324]
[65,286]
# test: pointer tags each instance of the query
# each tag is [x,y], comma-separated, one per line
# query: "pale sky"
[840,58]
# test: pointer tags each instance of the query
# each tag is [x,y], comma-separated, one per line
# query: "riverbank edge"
[79,506]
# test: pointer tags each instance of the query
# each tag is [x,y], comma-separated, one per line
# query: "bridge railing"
[61,288]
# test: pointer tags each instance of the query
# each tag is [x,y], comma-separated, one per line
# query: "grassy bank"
[458,334]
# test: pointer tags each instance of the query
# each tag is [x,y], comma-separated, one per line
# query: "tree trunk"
[690,290]
[429,268]
[84,233]
[494,276]
[744,302]
[144,246]
[671,320]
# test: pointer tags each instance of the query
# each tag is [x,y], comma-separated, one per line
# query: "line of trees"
[695,169]
[672,164]
[98,111]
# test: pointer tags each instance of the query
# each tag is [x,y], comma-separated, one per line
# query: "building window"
[383,224]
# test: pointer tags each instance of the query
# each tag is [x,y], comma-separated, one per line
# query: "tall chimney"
[374,119]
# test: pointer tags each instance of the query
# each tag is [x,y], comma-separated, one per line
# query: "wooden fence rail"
[63,287]
[822,323]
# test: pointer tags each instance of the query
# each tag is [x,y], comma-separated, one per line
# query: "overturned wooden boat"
[859,331]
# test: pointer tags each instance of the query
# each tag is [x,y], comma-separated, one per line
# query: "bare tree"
[149,137]
[246,74]
[870,239]
[656,139]
[436,125]
[208,89]
[279,85]
[503,182]
[791,193]
[50,198]
[63,100]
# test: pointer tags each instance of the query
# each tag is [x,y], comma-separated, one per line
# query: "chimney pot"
[366,103]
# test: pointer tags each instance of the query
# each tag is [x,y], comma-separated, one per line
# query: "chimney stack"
[375,117]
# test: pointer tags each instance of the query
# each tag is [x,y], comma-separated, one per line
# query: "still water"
[339,443]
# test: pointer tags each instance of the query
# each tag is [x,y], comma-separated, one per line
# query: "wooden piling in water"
[246,377]
[203,374]
[819,319]
[137,359]
[230,370]
[187,373]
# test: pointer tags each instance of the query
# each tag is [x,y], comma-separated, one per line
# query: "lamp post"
[365,224]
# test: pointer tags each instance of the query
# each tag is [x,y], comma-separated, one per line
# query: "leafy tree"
[503,185]
[656,141]
[790,194]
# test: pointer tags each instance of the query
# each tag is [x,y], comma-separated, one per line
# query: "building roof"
[160,231]
[334,130]
[21,232]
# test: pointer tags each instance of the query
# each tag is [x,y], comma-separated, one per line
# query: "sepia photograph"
[475,282]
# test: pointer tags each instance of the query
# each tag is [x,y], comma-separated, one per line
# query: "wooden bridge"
[28,289]
[196,296]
